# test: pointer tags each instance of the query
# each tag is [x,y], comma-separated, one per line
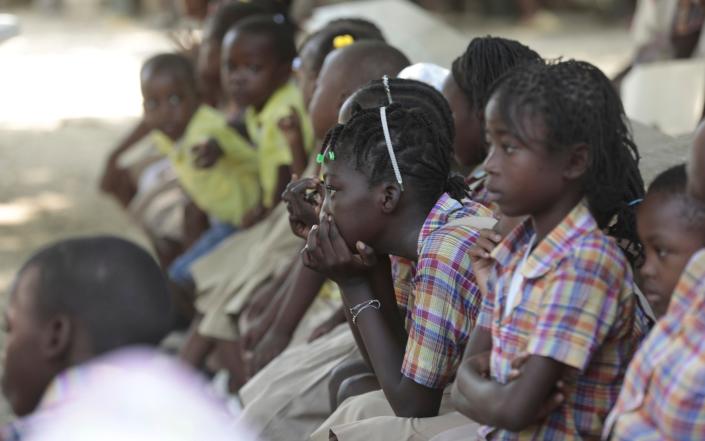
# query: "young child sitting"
[559,305]
[224,187]
[256,60]
[208,65]
[389,192]
[473,73]
[664,389]
[316,47]
[71,302]
[296,383]
[670,225]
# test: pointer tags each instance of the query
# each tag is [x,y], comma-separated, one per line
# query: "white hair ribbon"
[385,81]
[390,149]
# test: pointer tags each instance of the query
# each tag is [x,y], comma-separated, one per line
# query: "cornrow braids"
[578,105]
[484,61]
[411,94]
[422,149]
[322,41]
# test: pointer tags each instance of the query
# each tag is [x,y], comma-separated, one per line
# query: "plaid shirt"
[440,300]
[575,305]
[664,390]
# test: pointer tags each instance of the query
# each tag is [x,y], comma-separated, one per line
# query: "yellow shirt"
[229,189]
[272,147]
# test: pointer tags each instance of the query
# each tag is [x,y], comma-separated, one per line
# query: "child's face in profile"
[523,177]
[351,202]
[251,68]
[468,145]
[26,374]
[696,166]
[669,243]
[169,103]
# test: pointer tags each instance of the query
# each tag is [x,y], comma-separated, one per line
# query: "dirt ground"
[69,88]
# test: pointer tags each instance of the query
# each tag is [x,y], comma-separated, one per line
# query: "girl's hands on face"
[303,201]
[327,253]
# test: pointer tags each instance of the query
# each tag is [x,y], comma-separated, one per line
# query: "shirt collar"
[439,215]
[549,252]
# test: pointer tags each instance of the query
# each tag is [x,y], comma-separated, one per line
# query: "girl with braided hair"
[559,320]
[467,89]
[390,192]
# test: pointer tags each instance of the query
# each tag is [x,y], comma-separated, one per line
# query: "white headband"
[390,149]
[385,81]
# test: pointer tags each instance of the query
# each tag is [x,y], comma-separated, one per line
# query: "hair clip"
[390,149]
[385,81]
[635,202]
[321,157]
[343,40]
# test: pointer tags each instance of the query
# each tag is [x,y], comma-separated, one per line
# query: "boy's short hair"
[173,64]
[673,182]
[110,286]
[277,28]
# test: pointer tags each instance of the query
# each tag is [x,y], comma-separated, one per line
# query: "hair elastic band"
[385,81]
[390,149]
[635,202]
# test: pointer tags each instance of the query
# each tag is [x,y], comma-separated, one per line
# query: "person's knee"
[357,385]
[339,374]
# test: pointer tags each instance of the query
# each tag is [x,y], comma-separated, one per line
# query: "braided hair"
[421,129]
[578,105]
[484,61]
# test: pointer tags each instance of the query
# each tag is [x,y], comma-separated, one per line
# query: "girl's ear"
[389,197]
[56,342]
[578,161]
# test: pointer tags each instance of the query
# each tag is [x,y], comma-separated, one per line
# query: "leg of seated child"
[231,356]
[357,385]
[180,269]
[342,373]
[196,347]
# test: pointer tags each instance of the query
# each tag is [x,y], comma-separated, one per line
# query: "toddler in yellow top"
[226,187]
[257,57]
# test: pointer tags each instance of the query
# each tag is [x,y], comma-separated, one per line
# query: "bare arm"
[512,406]
[379,331]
